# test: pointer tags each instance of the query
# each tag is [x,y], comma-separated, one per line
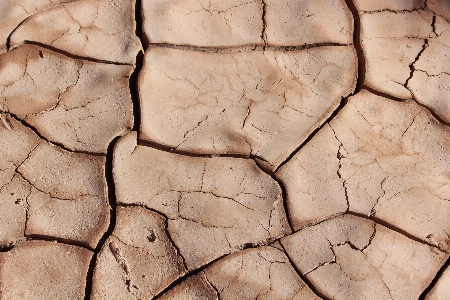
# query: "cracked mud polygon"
[203,149]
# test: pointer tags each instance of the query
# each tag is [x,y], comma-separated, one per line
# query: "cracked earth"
[241,149]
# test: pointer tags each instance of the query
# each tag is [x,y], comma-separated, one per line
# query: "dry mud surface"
[241,149]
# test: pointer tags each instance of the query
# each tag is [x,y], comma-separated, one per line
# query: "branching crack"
[283,193]
[373,211]
[174,245]
[371,237]
[303,276]
[29,126]
[212,285]
[412,65]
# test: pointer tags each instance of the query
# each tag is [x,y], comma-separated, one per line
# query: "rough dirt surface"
[203,149]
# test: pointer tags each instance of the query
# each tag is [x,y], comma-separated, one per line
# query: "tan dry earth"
[234,149]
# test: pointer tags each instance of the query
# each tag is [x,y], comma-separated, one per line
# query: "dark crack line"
[172,149]
[433,24]
[339,156]
[31,184]
[202,268]
[412,67]
[27,210]
[246,47]
[283,192]
[41,237]
[68,54]
[187,275]
[396,229]
[134,91]
[7,247]
[394,11]
[213,286]
[112,200]
[39,11]
[166,226]
[303,277]
[333,216]
[174,245]
[8,39]
[432,112]
[435,280]
[314,132]
[31,127]
[263,17]
[357,44]
[382,94]
[371,237]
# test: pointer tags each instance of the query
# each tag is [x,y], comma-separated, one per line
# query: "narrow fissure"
[357,44]
[303,277]
[382,94]
[433,113]
[68,54]
[213,286]
[170,149]
[188,274]
[109,177]
[263,17]
[35,131]
[112,201]
[314,132]
[247,48]
[46,8]
[7,247]
[395,228]
[134,91]
[8,39]
[40,237]
[174,245]
[283,193]
[435,280]
[412,67]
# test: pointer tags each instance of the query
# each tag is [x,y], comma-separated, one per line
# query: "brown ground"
[203,149]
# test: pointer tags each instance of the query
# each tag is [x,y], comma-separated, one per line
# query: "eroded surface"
[47,191]
[267,150]
[100,29]
[390,49]
[249,103]
[68,197]
[409,61]
[138,260]
[374,155]
[349,257]
[14,12]
[263,273]
[223,203]
[80,104]
[429,81]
